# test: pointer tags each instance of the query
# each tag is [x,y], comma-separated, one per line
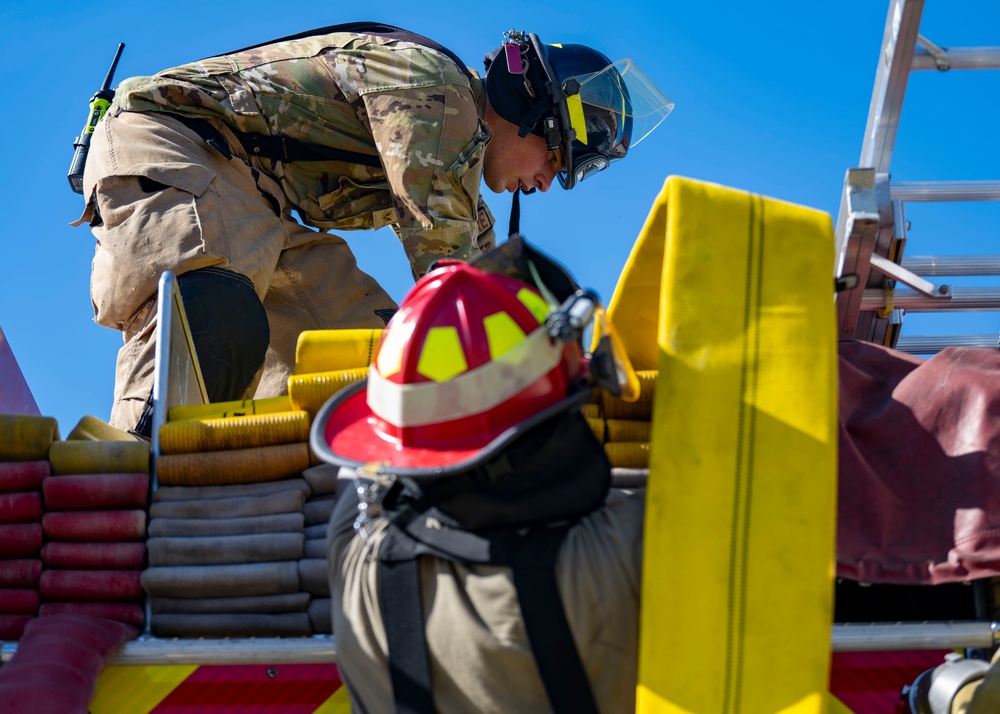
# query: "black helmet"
[575,98]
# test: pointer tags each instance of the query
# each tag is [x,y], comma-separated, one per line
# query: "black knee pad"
[229,329]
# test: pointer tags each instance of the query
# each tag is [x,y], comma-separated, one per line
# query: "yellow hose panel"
[738,558]
[592,411]
[26,437]
[235,433]
[334,350]
[311,391]
[97,457]
[227,410]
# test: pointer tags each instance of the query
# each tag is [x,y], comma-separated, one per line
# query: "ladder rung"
[959,58]
[968,299]
[932,344]
[945,191]
[953,264]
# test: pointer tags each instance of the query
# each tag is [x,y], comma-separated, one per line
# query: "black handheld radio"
[99,104]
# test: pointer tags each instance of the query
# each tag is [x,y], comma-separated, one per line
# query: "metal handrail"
[322,649]
[145,650]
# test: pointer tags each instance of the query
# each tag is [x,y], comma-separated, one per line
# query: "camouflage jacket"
[363,93]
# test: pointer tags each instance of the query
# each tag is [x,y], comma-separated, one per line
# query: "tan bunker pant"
[167,201]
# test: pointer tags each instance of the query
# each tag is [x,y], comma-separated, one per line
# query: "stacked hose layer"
[24,449]
[326,361]
[95,525]
[323,483]
[226,526]
[624,427]
[72,522]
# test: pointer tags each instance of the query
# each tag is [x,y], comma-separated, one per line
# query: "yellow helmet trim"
[471,392]
[576,118]
[502,333]
[442,357]
[390,353]
[535,303]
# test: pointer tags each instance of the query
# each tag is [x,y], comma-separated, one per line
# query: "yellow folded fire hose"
[26,437]
[730,296]
[330,350]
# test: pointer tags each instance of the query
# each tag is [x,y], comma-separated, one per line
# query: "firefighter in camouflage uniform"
[198,170]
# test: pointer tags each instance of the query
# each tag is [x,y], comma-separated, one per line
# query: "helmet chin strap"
[514,228]
[515,215]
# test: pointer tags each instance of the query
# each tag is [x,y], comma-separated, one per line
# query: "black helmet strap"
[559,131]
[531,119]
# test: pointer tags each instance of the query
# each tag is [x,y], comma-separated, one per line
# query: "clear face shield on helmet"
[609,112]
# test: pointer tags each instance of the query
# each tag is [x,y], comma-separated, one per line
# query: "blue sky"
[771,97]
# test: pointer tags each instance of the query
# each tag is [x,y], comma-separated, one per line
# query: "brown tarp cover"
[919,465]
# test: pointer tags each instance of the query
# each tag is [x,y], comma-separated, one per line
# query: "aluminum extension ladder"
[871,225]
[870,239]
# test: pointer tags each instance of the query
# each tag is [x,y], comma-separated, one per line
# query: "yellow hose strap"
[234,433]
[592,411]
[628,430]
[236,466]
[311,391]
[99,457]
[333,350]
[732,302]
[26,438]
[90,428]
[627,454]
[226,410]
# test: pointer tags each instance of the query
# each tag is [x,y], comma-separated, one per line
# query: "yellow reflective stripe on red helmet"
[576,118]
[470,393]
[389,359]
[535,303]
[502,333]
[442,357]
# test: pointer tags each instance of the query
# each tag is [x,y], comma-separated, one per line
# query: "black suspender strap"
[278,146]
[532,559]
[403,618]
[285,148]
[551,640]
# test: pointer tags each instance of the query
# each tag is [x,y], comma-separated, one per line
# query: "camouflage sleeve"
[431,143]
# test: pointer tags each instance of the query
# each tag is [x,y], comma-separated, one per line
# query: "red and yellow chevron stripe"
[218,689]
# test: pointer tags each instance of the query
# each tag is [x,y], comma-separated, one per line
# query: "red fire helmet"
[464,362]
